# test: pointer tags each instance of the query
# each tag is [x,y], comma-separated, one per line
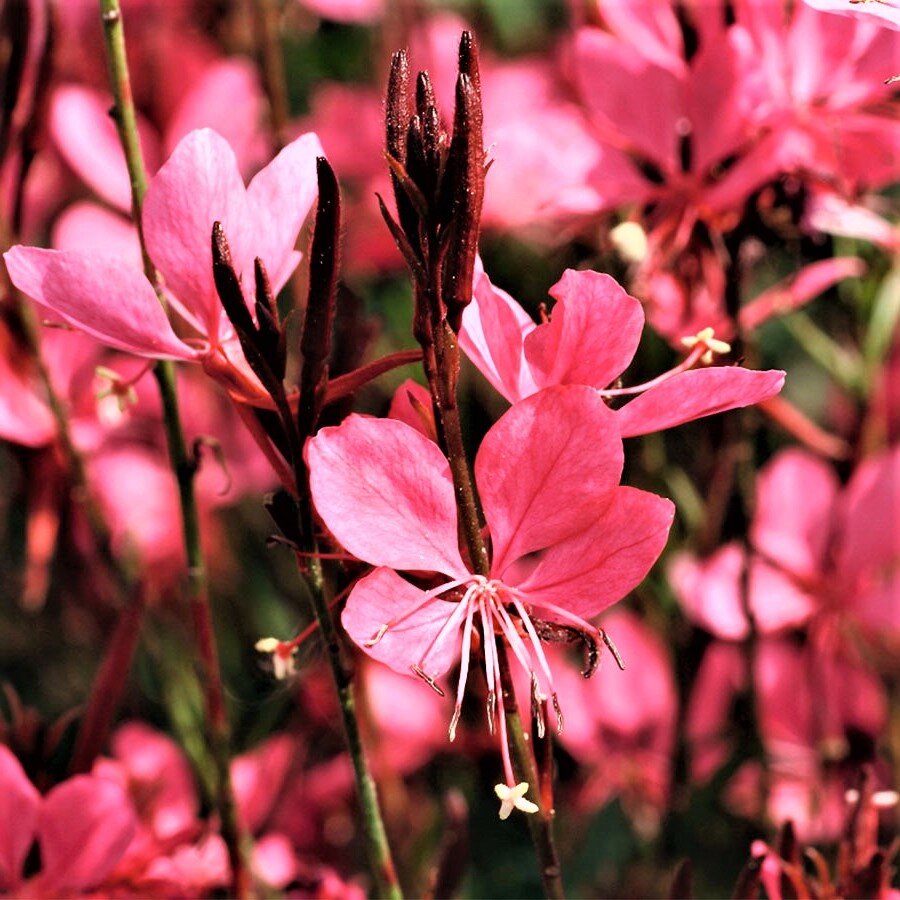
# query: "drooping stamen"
[487,630]
[465,656]
[512,636]
[428,680]
[504,740]
[613,649]
[426,598]
[537,707]
[535,643]
[451,622]
[558,710]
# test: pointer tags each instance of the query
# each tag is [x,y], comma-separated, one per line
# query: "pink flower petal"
[709,591]
[411,404]
[777,602]
[492,336]
[593,569]
[543,470]
[796,493]
[278,201]
[274,860]
[19,804]
[90,228]
[382,597]
[198,185]
[259,777]
[99,294]
[696,393]
[592,335]
[24,418]
[385,492]
[85,826]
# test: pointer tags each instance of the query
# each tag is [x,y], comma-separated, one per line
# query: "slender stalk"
[184,469]
[271,63]
[444,381]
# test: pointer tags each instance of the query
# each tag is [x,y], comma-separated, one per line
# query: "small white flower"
[282,656]
[514,798]
[706,337]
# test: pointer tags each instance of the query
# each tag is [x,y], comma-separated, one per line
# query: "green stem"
[184,469]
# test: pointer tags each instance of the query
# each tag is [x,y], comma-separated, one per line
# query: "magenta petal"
[86,824]
[795,498]
[592,335]
[382,597]
[544,468]
[385,492]
[101,295]
[593,569]
[494,328]
[198,185]
[19,804]
[278,200]
[24,418]
[696,393]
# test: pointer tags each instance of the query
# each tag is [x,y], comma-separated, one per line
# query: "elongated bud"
[397,106]
[465,168]
[228,286]
[315,343]
[270,334]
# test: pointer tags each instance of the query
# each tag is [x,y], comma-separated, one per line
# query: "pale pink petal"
[493,330]
[411,404]
[696,393]
[593,569]
[86,136]
[799,289]
[259,777]
[776,601]
[829,212]
[89,228]
[19,804]
[385,492]
[721,677]
[198,185]
[885,12]
[357,11]
[709,591]
[544,470]
[274,860]
[228,99]
[652,28]
[383,597]
[85,826]
[24,417]
[102,295]
[592,335]
[796,493]
[785,703]
[278,201]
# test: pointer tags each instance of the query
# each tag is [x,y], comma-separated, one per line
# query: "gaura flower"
[111,298]
[566,542]
[590,339]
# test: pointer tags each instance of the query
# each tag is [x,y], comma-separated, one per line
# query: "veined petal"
[85,826]
[591,570]
[696,393]
[198,185]
[278,201]
[592,335]
[101,295]
[385,492]
[19,804]
[382,597]
[545,469]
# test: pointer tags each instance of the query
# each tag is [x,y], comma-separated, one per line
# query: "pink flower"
[83,827]
[200,184]
[590,339]
[566,540]
[884,12]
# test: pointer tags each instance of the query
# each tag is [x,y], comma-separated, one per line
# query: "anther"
[453,723]
[537,707]
[491,710]
[613,649]
[428,680]
[372,641]
[559,715]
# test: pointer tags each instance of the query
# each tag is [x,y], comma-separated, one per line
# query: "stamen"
[613,649]
[535,642]
[464,659]
[451,732]
[537,707]
[491,711]
[382,631]
[428,680]
[487,629]
[512,636]
[559,715]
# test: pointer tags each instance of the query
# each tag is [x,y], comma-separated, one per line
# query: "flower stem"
[271,63]
[184,468]
[441,367]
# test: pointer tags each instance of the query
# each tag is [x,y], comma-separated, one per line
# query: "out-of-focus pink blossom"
[590,339]
[357,11]
[547,474]
[884,12]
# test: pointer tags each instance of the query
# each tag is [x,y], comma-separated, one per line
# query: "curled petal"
[592,336]
[385,492]
[383,597]
[545,469]
[591,570]
[696,393]
[99,294]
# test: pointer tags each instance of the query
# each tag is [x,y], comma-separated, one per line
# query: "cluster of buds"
[438,180]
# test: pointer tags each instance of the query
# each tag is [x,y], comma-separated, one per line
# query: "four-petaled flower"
[566,540]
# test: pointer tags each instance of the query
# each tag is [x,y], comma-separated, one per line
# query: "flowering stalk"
[438,188]
[184,469]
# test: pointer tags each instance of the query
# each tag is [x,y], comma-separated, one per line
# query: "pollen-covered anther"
[706,337]
[491,711]
[559,714]
[451,732]
[372,641]
[283,659]
[418,670]
[513,797]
